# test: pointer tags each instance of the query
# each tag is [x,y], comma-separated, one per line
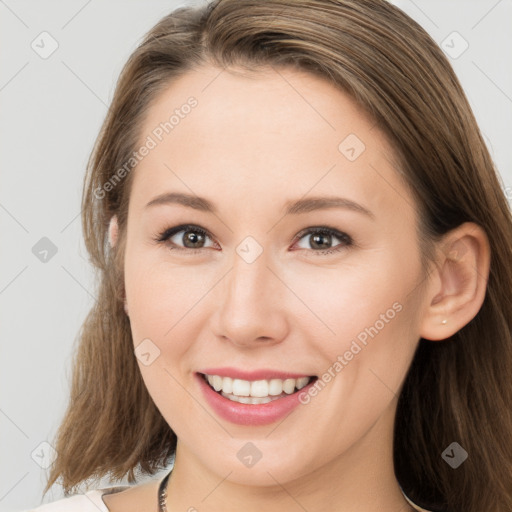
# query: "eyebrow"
[291,207]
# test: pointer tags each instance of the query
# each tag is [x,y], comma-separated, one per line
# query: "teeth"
[249,399]
[244,390]
[241,387]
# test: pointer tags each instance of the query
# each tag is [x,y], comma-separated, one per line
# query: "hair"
[459,389]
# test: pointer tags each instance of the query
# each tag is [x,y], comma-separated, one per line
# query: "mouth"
[255,392]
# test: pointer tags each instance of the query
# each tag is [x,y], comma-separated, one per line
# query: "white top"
[92,501]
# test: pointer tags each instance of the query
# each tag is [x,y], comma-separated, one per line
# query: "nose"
[251,304]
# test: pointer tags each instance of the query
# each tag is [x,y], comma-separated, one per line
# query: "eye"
[321,237]
[193,238]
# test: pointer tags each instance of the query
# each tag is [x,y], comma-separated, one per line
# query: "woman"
[304,254]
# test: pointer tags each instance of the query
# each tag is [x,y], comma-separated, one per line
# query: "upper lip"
[260,374]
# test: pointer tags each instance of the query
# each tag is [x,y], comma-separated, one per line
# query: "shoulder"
[90,501]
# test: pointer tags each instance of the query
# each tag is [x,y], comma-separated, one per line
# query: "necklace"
[162,494]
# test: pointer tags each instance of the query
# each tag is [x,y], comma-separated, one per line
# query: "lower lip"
[248,414]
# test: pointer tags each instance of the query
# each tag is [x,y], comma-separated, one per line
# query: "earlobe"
[458,289]
[113,231]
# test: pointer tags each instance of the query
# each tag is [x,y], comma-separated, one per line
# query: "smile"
[255,392]
[252,397]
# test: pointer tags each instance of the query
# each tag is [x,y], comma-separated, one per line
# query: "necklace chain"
[162,494]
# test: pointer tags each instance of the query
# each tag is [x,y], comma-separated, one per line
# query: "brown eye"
[194,238]
[185,237]
[321,240]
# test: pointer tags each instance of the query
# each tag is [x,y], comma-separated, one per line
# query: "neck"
[360,480]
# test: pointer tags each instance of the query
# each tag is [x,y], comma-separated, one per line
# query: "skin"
[254,142]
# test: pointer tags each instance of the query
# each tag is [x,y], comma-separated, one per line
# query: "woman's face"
[250,287]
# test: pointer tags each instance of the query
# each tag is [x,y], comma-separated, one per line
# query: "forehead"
[267,132]
[257,104]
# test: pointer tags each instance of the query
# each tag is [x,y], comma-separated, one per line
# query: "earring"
[444,322]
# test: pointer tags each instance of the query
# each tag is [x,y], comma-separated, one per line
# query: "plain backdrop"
[51,110]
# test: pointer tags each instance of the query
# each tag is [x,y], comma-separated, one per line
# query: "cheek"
[352,299]
[159,294]
[167,313]
[162,321]
[371,309]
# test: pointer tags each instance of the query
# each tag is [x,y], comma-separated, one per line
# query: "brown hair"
[459,389]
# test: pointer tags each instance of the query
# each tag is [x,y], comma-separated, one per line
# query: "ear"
[458,284]
[113,231]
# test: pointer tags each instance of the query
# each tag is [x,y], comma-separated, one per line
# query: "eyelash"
[347,241]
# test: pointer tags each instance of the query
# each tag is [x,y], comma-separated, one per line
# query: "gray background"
[51,113]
